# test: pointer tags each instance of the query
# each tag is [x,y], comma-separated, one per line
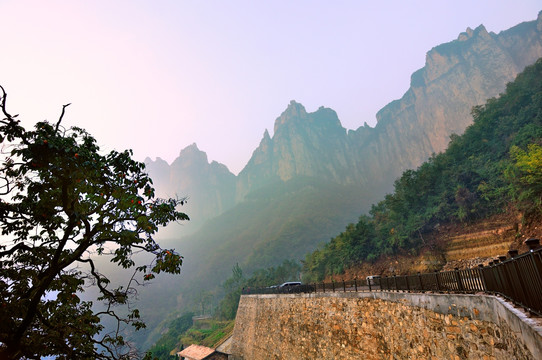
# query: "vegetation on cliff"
[186,330]
[169,340]
[495,163]
[287,210]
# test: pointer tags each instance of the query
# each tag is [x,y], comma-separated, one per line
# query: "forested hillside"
[312,177]
[496,163]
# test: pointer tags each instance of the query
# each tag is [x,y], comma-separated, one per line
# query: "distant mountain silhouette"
[457,76]
[304,184]
[209,187]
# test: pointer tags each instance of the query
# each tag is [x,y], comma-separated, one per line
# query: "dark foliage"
[64,204]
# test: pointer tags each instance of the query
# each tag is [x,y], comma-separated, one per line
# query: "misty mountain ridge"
[457,76]
[304,184]
[209,187]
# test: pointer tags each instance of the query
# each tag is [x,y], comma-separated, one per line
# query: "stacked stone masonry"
[394,326]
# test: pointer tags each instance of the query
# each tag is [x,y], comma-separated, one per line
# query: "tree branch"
[98,278]
[19,246]
[61,116]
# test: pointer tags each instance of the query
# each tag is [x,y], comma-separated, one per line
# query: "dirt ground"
[461,245]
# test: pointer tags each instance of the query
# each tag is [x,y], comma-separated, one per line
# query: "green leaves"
[525,176]
[64,203]
[168,261]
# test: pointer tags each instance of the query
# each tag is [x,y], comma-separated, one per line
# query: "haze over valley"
[305,183]
[285,128]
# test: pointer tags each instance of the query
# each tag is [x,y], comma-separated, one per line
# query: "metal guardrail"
[518,279]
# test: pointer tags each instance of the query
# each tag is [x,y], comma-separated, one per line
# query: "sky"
[157,76]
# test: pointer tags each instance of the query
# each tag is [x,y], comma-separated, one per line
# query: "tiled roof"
[196,352]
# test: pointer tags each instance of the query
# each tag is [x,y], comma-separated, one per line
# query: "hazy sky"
[157,76]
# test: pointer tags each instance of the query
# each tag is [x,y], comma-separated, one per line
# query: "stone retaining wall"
[382,326]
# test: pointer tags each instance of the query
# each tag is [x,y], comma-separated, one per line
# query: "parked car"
[288,286]
[295,287]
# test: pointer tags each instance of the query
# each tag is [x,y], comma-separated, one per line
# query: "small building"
[199,352]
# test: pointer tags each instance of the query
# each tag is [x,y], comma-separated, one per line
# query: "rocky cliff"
[304,144]
[209,187]
[309,179]
[457,76]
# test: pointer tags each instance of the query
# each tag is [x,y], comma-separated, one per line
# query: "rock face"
[305,183]
[457,76]
[304,144]
[210,187]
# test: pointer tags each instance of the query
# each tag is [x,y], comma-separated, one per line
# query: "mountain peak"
[192,154]
[481,30]
[294,111]
[465,35]
[191,147]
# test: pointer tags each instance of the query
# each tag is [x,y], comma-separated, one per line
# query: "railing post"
[537,260]
[522,285]
[538,266]
[532,243]
[437,281]
[498,276]
[481,276]
[369,283]
[406,280]
[356,284]
[344,286]
[509,285]
[458,279]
